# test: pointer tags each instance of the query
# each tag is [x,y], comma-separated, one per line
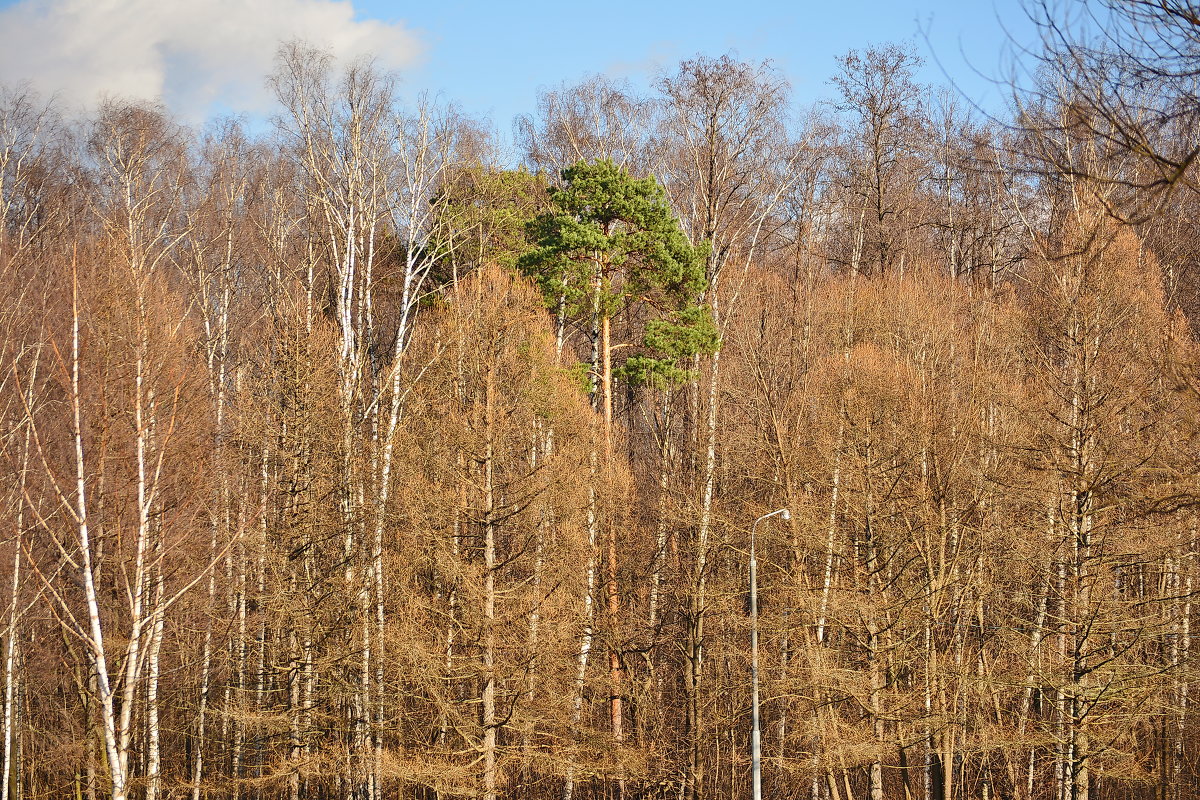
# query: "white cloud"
[191,54]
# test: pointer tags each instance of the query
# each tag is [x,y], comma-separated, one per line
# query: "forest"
[352,459]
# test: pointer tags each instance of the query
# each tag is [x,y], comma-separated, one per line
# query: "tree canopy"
[610,242]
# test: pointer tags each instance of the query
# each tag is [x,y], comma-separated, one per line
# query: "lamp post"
[755,725]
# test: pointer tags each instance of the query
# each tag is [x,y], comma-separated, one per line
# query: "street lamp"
[755,725]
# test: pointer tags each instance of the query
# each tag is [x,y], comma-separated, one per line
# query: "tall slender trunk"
[376,610]
[589,621]
[295,713]
[1080,529]
[830,535]
[593,531]
[205,673]
[1061,768]
[1182,687]
[616,666]
[540,451]
[219,523]
[1035,642]
[652,656]
[143,403]
[488,699]
[153,673]
[874,647]
[11,675]
[875,707]
[697,606]
[94,636]
[931,666]
[660,532]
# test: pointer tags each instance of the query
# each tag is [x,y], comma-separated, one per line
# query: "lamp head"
[786,515]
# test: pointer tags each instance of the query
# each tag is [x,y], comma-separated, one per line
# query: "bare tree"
[723,124]
[594,120]
[882,102]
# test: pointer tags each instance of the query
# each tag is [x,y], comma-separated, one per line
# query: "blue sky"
[490,57]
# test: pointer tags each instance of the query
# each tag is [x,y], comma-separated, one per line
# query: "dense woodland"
[353,460]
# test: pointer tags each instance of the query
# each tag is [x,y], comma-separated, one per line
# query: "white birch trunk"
[94,635]
[11,676]
[589,619]
[830,536]
[153,672]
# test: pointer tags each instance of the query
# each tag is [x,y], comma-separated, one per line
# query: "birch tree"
[724,122]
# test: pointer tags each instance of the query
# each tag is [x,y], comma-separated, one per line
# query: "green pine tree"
[610,241]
